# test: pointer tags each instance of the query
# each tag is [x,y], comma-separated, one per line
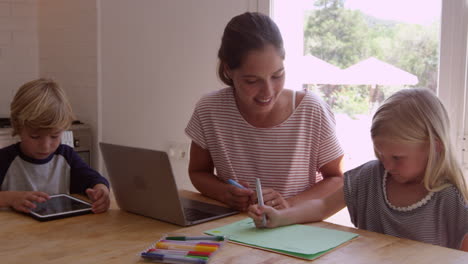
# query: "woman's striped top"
[285,157]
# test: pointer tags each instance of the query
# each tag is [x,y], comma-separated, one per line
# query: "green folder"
[301,241]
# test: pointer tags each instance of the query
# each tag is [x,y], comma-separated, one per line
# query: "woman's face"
[259,81]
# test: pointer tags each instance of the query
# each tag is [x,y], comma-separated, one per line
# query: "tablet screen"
[60,204]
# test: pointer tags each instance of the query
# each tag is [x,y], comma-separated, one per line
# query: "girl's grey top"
[441,220]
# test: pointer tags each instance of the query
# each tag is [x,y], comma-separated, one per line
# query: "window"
[356,53]
[330,43]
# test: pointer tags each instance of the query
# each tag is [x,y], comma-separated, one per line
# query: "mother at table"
[257,128]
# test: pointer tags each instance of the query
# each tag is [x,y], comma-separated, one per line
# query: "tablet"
[60,206]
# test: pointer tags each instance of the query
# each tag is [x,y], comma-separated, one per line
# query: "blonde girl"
[416,188]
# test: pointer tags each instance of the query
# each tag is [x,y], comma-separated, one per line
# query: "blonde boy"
[39,165]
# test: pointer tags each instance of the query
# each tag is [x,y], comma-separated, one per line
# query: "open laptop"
[143,183]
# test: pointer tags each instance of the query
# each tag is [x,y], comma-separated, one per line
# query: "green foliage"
[349,99]
[344,37]
[335,34]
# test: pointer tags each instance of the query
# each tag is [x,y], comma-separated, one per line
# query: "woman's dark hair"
[244,33]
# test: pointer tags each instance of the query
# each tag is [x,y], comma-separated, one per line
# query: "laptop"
[143,183]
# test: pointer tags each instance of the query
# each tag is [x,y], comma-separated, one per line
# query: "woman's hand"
[238,198]
[273,198]
[25,201]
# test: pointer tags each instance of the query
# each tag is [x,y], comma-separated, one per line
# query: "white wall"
[18,48]
[133,70]
[157,59]
[68,54]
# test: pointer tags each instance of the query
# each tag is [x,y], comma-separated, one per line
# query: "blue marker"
[233,182]
[164,258]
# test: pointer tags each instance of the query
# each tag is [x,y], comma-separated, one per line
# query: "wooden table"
[118,237]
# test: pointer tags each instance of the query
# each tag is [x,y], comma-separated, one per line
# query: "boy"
[39,164]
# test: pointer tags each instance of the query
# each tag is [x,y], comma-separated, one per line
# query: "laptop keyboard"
[193,214]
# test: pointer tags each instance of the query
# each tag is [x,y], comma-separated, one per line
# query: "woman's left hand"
[274,199]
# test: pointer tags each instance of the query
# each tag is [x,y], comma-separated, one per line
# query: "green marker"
[185,238]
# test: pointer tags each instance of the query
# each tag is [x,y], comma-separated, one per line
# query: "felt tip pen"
[185,238]
[260,199]
[238,185]
[179,252]
[193,242]
[190,247]
[175,259]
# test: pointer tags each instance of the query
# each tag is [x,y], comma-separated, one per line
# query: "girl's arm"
[332,173]
[201,172]
[305,212]
[464,245]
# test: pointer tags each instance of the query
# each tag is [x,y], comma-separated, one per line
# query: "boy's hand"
[24,201]
[99,195]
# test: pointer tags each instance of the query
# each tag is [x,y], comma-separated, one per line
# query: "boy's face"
[39,143]
[406,163]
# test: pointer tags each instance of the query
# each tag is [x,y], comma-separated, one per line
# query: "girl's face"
[406,163]
[39,143]
[259,81]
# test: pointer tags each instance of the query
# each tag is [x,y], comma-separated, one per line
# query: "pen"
[233,182]
[165,258]
[179,252]
[191,247]
[192,242]
[260,199]
[185,238]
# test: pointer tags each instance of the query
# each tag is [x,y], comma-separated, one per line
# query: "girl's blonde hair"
[40,104]
[418,116]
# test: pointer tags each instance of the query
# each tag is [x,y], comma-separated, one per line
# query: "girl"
[415,190]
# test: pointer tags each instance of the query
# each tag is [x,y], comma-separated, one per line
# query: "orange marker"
[186,246]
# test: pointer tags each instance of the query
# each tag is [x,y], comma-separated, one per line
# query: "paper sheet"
[298,240]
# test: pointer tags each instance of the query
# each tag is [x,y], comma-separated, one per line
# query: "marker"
[185,238]
[190,247]
[260,199]
[238,185]
[179,252]
[165,258]
[192,242]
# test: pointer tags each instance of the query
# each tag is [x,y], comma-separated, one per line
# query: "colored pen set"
[179,249]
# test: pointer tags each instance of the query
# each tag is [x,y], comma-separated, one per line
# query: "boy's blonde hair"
[40,104]
[418,116]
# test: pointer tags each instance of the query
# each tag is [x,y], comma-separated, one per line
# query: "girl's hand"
[24,201]
[238,198]
[99,195]
[273,198]
[274,217]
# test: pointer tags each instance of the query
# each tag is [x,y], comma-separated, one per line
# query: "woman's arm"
[201,172]
[332,173]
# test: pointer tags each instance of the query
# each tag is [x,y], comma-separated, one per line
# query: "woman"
[256,128]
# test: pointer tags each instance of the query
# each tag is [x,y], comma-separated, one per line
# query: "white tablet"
[60,206]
